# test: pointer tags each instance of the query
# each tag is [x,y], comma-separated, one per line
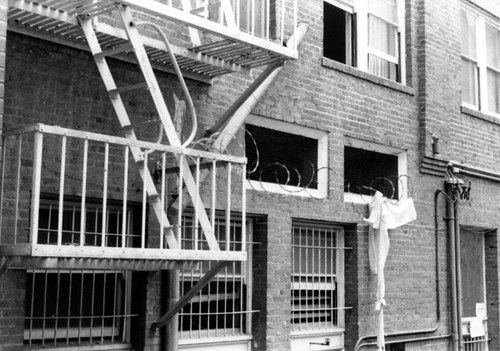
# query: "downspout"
[361,341]
[453,266]
[459,276]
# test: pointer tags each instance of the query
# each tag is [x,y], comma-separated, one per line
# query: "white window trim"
[360,7]
[481,86]
[322,172]
[383,149]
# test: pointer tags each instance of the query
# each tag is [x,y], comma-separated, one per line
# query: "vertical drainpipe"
[450,220]
[459,276]
[3,53]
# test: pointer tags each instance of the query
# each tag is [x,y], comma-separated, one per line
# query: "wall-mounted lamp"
[435,144]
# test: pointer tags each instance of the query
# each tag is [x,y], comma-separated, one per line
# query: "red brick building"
[128,221]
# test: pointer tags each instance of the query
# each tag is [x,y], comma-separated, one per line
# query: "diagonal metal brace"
[5,263]
[190,294]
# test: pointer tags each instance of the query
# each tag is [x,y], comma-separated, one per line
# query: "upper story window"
[366,34]
[371,167]
[286,158]
[480,48]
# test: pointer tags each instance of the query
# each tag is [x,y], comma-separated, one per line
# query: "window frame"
[94,207]
[337,278]
[238,273]
[86,335]
[322,161]
[481,91]
[402,169]
[360,47]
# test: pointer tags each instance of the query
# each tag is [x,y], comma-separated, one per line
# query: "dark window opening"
[395,347]
[75,307]
[71,222]
[368,171]
[220,308]
[337,34]
[281,158]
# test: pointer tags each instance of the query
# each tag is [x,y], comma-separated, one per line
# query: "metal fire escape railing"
[212,38]
[81,166]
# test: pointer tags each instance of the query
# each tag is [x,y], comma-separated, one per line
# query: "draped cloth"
[384,215]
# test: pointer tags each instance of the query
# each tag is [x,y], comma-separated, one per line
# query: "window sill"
[353,71]
[317,333]
[217,341]
[106,347]
[277,189]
[481,115]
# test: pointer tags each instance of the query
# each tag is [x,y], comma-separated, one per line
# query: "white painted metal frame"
[146,250]
[64,25]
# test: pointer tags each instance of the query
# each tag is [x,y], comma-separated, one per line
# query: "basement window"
[285,158]
[76,307]
[373,168]
[223,307]
[317,286]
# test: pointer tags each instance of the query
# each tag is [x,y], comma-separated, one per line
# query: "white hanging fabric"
[384,215]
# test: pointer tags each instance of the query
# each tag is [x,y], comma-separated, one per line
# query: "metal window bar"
[59,309]
[48,208]
[221,308]
[314,275]
[475,344]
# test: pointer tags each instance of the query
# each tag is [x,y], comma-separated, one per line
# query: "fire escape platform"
[224,48]
[51,173]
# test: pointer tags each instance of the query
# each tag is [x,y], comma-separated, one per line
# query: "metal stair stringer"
[165,119]
[121,112]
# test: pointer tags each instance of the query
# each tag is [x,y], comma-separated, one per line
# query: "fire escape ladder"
[140,157]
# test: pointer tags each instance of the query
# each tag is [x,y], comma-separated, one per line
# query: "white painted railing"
[68,193]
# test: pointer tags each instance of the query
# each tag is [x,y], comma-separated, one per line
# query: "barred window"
[317,276]
[223,307]
[76,307]
[93,219]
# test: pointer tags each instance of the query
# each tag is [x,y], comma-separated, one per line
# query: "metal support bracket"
[190,294]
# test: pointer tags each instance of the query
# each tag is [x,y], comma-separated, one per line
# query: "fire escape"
[197,39]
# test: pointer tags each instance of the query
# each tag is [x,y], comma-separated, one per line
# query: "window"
[317,276]
[92,232]
[223,307]
[286,158]
[367,34]
[369,168]
[480,47]
[76,307]
[473,270]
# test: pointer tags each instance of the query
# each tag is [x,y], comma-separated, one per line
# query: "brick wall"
[58,85]
[12,292]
